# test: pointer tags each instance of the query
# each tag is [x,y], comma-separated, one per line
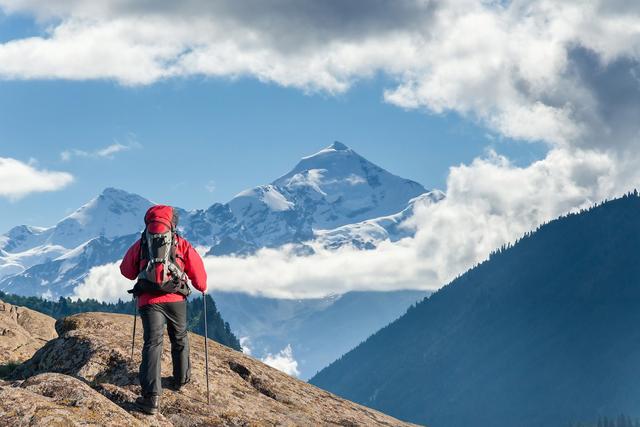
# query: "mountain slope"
[543,333]
[332,188]
[111,214]
[318,330]
[22,332]
[368,233]
[58,277]
[95,348]
[337,186]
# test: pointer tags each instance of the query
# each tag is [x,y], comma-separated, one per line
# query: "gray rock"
[22,332]
[59,400]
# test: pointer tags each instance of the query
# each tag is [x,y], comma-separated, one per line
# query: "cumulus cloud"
[283,361]
[104,283]
[18,179]
[563,72]
[546,70]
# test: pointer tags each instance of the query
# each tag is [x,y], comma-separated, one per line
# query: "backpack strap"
[175,270]
[144,286]
[143,245]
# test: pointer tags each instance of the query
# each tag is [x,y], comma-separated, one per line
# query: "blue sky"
[234,93]
[232,133]
[81,78]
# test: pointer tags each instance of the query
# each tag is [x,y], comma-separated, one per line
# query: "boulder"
[22,332]
[59,400]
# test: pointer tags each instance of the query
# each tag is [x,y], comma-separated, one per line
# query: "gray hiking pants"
[153,318]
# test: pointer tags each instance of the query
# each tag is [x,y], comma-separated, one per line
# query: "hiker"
[162,261]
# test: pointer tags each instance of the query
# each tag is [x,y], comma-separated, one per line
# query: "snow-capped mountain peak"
[112,213]
[336,146]
[267,195]
[337,158]
[112,201]
[331,188]
[341,187]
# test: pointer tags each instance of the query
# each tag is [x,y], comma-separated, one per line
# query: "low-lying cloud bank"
[283,361]
[104,283]
[489,202]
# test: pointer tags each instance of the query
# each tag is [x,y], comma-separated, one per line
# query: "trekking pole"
[135,317]
[206,348]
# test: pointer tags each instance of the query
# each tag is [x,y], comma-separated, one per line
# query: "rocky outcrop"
[22,332]
[92,359]
[58,400]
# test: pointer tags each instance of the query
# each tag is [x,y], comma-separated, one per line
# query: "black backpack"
[160,251]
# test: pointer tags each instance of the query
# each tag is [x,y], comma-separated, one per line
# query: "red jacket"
[194,268]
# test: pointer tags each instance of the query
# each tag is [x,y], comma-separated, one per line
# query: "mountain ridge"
[542,333]
[314,329]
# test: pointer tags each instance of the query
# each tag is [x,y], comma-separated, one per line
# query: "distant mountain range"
[330,199]
[544,333]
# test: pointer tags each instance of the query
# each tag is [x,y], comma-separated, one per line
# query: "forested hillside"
[219,330]
[544,333]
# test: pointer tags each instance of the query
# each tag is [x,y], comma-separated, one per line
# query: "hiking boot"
[148,404]
[177,385]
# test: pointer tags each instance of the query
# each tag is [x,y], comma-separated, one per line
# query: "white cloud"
[18,179]
[112,149]
[107,152]
[283,361]
[525,69]
[245,344]
[564,72]
[104,283]
[48,295]
[210,186]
